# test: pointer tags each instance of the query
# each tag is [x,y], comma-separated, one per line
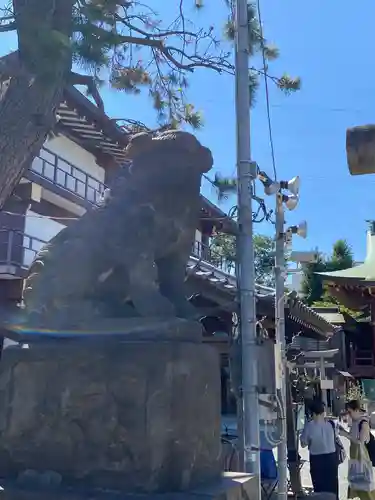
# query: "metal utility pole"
[282,451]
[246,172]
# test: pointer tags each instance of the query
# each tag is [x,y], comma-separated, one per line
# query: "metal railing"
[361,363]
[19,249]
[64,174]
[362,357]
[204,252]
[31,246]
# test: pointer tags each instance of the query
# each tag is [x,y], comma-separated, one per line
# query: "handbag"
[360,472]
[340,450]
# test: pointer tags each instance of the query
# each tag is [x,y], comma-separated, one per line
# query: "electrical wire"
[259,215]
[261,212]
[265,75]
[38,216]
[268,435]
[271,440]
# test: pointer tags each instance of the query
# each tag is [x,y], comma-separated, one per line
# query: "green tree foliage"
[264,247]
[139,50]
[125,43]
[342,256]
[224,245]
[312,284]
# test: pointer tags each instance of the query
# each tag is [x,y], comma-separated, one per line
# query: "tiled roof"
[336,318]
[298,311]
[85,120]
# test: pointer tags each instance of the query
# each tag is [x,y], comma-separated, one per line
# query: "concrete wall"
[40,228]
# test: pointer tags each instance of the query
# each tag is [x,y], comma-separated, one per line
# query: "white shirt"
[319,437]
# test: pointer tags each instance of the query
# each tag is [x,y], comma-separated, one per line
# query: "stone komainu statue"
[127,257]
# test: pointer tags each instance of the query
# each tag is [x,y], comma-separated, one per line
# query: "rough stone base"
[232,486]
[137,417]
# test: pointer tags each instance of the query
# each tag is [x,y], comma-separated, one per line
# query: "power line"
[259,215]
[313,107]
[319,109]
[265,76]
[38,216]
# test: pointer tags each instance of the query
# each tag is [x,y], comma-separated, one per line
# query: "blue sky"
[329,44]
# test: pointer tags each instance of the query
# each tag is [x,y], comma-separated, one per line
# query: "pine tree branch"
[133,40]
[88,81]
[177,57]
[8,27]
[159,34]
[130,124]
[219,64]
[9,17]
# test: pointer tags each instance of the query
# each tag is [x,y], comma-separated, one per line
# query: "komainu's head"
[170,154]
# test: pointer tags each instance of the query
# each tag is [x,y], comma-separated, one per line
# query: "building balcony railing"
[361,362]
[65,175]
[363,357]
[204,252]
[18,249]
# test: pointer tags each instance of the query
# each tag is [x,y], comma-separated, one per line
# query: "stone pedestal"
[136,417]
[232,486]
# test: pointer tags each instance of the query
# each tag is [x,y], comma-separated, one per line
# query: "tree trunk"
[28,105]
[20,136]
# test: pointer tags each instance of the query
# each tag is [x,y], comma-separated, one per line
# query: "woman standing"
[320,438]
[359,436]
